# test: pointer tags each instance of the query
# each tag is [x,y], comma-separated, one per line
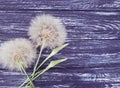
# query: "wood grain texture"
[93,53]
[107,77]
[93,28]
[79,24]
[60,4]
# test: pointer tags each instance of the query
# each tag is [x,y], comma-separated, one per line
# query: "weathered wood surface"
[103,77]
[94,37]
[79,24]
[60,4]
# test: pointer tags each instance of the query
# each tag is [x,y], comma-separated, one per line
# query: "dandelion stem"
[43,62]
[36,64]
[54,51]
[51,65]
[35,67]
[23,69]
[23,83]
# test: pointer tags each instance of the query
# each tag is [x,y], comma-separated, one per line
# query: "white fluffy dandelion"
[13,51]
[48,28]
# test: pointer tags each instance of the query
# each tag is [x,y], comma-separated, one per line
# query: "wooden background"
[93,28]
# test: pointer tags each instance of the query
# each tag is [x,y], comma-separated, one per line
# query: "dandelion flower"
[13,51]
[48,28]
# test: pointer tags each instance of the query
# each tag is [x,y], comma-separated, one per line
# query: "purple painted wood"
[79,24]
[96,77]
[94,50]
[60,4]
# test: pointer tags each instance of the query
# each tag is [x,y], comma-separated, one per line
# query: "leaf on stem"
[56,50]
[55,62]
[52,64]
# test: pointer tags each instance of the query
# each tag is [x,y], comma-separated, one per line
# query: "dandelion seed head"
[13,51]
[48,28]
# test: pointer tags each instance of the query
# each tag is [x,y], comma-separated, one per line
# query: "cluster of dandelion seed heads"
[48,28]
[13,51]
[43,28]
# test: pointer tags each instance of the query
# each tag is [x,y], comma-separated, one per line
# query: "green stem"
[26,81]
[52,64]
[37,75]
[54,51]
[35,67]
[23,83]
[22,68]
[36,64]
[43,62]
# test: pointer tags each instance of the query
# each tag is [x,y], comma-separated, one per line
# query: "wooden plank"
[67,78]
[93,53]
[79,24]
[89,53]
[92,41]
[60,4]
